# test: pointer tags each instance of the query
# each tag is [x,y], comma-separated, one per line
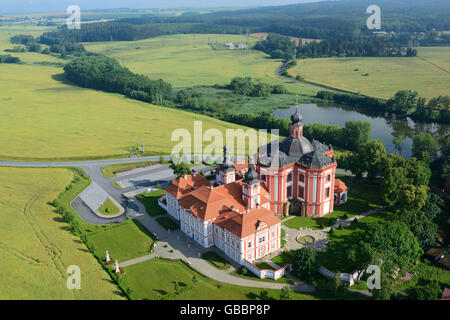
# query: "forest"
[323,20]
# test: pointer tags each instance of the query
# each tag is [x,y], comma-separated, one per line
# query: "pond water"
[396,134]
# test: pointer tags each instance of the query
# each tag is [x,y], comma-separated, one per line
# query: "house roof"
[207,202]
[247,223]
[339,186]
[186,184]
[446,294]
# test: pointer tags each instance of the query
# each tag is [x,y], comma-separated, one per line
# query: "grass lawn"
[362,196]
[284,258]
[216,260]
[334,258]
[111,171]
[167,223]
[157,277]
[175,58]
[108,208]
[36,247]
[150,201]
[124,241]
[265,265]
[428,73]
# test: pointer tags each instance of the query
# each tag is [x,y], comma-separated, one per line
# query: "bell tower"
[251,187]
[296,127]
[226,172]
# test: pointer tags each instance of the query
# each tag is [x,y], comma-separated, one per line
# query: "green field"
[6,32]
[188,60]
[125,241]
[42,117]
[362,196]
[216,260]
[428,73]
[35,246]
[150,202]
[156,278]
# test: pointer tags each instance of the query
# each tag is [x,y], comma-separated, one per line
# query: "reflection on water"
[396,134]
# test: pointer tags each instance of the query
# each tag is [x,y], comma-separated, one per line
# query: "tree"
[286,293]
[373,155]
[305,263]
[423,223]
[358,256]
[180,169]
[393,241]
[424,143]
[426,290]
[357,133]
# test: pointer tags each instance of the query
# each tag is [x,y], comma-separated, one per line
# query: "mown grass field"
[188,60]
[124,241]
[35,246]
[362,196]
[42,117]
[428,73]
[157,277]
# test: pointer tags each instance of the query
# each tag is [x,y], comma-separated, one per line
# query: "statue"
[107,258]
[116,267]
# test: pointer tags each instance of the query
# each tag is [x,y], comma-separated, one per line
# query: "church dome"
[296,146]
[296,117]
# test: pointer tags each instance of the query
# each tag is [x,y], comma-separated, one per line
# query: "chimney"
[184,176]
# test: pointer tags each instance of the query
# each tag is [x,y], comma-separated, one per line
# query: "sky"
[39,6]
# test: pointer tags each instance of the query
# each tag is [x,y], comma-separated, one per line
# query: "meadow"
[43,117]
[428,73]
[188,60]
[35,246]
[157,278]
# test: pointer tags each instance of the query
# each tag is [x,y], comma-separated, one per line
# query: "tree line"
[282,47]
[106,74]
[9,59]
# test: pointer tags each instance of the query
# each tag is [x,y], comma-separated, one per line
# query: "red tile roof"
[186,184]
[339,186]
[247,223]
[225,204]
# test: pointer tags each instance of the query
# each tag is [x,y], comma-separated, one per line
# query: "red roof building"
[233,216]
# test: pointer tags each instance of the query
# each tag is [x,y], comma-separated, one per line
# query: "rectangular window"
[261,240]
[301,177]
[273,234]
[249,244]
[289,177]
[327,192]
[329,177]
[289,192]
[301,192]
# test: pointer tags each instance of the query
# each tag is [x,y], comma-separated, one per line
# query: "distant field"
[35,247]
[428,73]
[6,32]
[42,117]
[156,278]
[188,60]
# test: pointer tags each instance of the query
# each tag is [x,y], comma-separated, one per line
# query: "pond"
[396,134]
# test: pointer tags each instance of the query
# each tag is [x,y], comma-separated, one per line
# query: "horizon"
[51,6]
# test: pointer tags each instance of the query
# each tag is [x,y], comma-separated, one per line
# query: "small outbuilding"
[340,192]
